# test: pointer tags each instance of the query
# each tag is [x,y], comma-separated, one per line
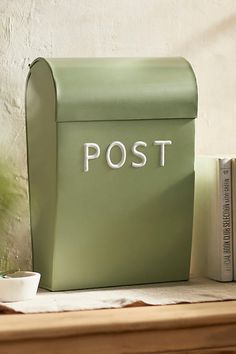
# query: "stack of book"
[214,207]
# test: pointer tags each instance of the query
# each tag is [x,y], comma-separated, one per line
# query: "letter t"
[162,144]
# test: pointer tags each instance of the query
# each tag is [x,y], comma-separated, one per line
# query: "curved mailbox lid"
[92,89]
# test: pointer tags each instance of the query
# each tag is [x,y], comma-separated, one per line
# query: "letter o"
[123,155]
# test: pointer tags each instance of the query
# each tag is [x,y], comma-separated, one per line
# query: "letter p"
[88,156]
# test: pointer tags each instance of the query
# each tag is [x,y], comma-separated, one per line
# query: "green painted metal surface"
[126,219]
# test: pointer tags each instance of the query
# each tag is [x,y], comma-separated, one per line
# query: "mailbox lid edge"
[93,89]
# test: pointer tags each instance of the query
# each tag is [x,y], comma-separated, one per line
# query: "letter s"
[139,154]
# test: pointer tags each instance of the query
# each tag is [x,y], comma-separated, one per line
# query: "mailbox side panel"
[128,225]
[41,151]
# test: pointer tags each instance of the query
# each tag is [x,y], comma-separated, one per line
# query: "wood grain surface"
[187,328]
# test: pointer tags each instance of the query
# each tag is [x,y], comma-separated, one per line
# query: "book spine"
[234,214]
[226,220]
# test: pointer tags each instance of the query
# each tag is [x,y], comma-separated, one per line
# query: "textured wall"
[203,31]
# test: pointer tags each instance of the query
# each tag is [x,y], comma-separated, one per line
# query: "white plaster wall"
[203,31]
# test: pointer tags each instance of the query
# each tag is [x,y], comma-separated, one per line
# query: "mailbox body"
[110,226]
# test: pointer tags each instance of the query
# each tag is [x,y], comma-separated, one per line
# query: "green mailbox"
[111,170]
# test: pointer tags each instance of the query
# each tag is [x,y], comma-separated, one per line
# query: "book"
[213,181]
[234,214]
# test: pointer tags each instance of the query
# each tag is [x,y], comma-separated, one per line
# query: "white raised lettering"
[123,155]
[162,144]
[139,154]
[88,156]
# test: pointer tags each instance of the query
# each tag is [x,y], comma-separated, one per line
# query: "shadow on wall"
[11,196]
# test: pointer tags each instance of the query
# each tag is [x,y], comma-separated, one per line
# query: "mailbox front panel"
[127,225]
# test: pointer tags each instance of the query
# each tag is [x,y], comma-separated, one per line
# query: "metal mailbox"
[111,170]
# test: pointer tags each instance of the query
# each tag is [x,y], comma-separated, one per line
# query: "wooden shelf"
[188,328]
